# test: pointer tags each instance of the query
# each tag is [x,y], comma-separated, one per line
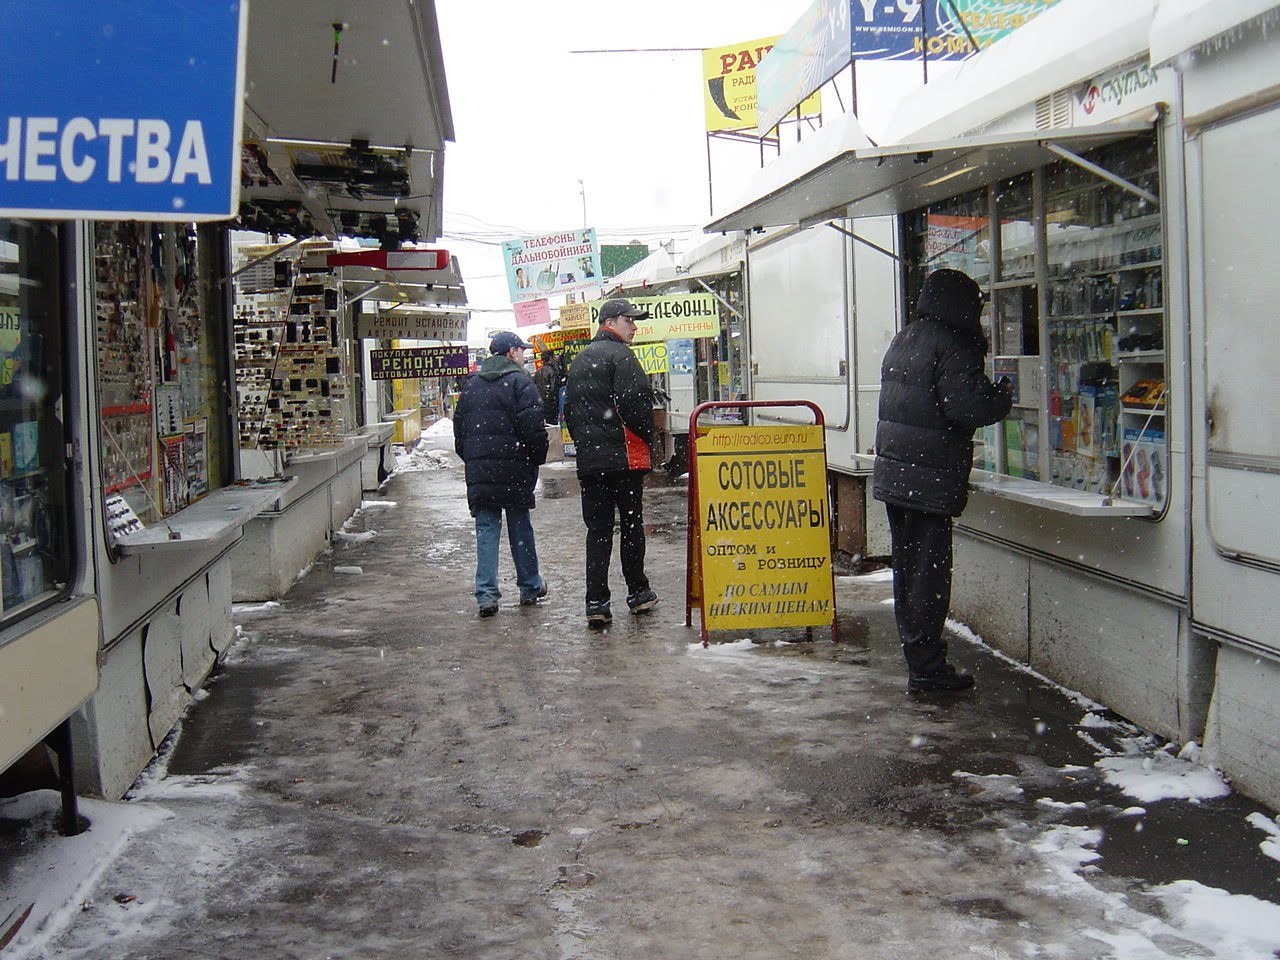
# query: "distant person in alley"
[609,412]
[499,434]
[550,378]
[934,395]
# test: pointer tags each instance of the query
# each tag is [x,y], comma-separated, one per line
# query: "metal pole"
[60,741]
[924,39]
[711,204]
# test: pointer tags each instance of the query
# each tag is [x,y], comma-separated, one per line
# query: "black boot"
[945,680]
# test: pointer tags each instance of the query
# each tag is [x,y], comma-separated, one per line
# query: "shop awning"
[879,181]
[345,123]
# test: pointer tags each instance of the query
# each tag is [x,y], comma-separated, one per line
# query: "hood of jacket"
[495,368]
[953,298]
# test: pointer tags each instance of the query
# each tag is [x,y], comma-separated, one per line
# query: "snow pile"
[351,570]
[1270,845]
[238,608]
[1229,925]
[876,576]
[441,428]
[377,504]
[360,537]
[420,459]
[58,879]
[1163,776]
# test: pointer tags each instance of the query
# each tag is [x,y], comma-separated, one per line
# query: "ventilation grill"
[1054,110]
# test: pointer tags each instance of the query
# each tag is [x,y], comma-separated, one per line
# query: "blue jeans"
[524,553]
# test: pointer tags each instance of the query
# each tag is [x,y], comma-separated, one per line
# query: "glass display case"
[34,538]
[161,373]
[1075,317]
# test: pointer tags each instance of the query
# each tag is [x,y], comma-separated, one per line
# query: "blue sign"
[121,109]
[904,29]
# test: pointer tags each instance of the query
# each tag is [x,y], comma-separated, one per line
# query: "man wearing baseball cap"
[609,412]
[499,434]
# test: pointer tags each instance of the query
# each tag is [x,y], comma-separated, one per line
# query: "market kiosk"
[1064,170]
[122,495]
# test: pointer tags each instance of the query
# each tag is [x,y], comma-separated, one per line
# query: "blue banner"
[120,109]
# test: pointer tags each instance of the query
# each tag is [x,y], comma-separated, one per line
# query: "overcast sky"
[532,119]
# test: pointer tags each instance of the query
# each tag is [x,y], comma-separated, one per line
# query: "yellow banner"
[764,528]
[729,86]
[652,356]
[681,316]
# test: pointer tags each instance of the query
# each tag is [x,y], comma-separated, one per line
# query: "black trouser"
[603,496]
[921,585]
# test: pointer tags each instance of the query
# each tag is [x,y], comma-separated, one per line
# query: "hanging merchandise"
[289,369]
[158,368]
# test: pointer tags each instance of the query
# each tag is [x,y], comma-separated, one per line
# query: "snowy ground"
[375,776]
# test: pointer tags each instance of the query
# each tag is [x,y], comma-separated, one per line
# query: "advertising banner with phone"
[539,267]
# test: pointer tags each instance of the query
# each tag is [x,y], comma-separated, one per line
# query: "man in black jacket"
[499,434]
[549,379]
[609,412]
[933,397]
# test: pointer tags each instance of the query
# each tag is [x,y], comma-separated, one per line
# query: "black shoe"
[598,615]
[532,601]
[945,680]
[488,610]
[642,602]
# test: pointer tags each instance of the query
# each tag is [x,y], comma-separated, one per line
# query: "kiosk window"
[34,538]
[1076,320]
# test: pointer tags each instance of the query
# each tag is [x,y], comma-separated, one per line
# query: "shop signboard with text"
[121,110]
[413,325]
[898,30]
[540,267]
[567,343]
[410,363]
[681,316]
[729,86]
[763,548]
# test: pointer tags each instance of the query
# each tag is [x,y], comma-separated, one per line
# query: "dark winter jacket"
[609,407]
[933,397]
[499,434]
[549,379]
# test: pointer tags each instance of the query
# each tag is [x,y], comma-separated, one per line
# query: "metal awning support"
[263,259]
[1103,173]
[356,298]
[874,246]
[843,182]
[721,300]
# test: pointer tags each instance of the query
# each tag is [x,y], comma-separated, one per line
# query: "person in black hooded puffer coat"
[934,395]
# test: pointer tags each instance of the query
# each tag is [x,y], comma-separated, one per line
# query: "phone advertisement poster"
[539,267]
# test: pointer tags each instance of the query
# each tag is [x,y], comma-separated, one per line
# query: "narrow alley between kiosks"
[374,772]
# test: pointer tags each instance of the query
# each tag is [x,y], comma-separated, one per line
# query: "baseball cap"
[621,308]
[505,342]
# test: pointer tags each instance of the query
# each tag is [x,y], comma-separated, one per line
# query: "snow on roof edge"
[1180,25]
